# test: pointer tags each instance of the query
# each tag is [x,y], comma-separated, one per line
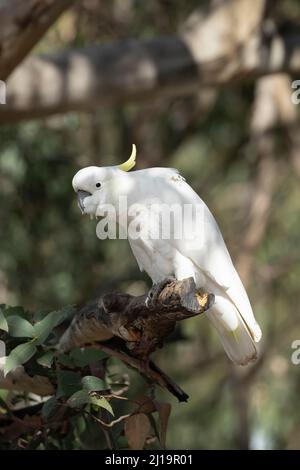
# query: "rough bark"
[141,323]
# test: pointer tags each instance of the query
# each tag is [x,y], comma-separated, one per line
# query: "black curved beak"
[81,195]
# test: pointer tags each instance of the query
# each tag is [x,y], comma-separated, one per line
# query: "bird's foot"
[156,290]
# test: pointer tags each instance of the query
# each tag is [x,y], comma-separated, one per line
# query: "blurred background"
[238,146]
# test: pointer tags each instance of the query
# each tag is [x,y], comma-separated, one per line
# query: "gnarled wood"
[143,322]
[140,325]
[126,327]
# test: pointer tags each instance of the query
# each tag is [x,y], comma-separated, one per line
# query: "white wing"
[208,252]
[203,256]
[206,249]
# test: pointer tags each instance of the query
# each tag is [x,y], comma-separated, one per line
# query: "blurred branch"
[19,380]
[22,24]
[270,110]
[142,323]
[231,41]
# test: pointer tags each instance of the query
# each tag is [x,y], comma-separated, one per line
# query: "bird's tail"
[236,340]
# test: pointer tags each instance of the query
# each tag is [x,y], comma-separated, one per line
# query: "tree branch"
[229,42]
[22,24]
[141,323]
[126,327]
[19,380]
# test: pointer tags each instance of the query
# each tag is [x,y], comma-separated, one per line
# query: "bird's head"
[95,185]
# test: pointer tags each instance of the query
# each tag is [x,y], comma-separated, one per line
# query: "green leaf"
[79,399]
[78,423]
[102,403]
[46,359]
[85,356]
[64,314]
[4,408]
[49,408]
[19,327]
[43,328]
[40,314]
[81,357]
[92,383]
[68,383]
[2,349]
[65,360]
[3,322]
[3,394]
[16,311]
[18,356]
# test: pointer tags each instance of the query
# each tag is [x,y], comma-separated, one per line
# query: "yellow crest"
[130,163]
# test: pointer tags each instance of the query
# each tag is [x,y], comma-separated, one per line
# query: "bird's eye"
[98,185]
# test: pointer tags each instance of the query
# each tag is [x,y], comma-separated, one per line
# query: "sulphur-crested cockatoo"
[202,255]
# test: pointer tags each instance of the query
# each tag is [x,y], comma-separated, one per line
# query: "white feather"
[205,257]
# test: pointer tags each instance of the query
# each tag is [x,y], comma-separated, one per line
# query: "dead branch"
[141,323]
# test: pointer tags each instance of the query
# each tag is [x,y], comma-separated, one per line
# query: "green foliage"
[68,382]
[85,397]
[49,408]
[100,402]
[82,357]
[19,355]
[19,327]
[44,327]
[46,359]
[79,398]
[79,394]
[3,322]
[92,384]
[50,256]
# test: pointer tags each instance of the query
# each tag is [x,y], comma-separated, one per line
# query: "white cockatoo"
[203,255]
